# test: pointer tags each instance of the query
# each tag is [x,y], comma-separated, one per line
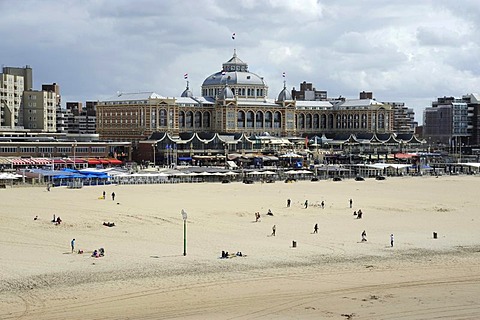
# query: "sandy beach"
[328,275]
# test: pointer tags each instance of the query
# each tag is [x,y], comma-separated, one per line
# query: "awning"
[184,158]
[19,161]
[93,161]
[115,161]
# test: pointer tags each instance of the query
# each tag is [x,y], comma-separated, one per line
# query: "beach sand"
[329,275]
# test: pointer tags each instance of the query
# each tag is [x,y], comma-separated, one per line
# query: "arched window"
[163,118]
[241,119]
[268,119]
[308,121]
[250,117]
[259,119]
[338,124]
[381,121]
[277,120]
[323,121]
[198,119]
[206,119]
[330,121]
[181,119]
[316,121]
[301,121]
[364,121]
[189,119]
[356,121]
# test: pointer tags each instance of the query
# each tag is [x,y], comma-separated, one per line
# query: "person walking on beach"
[104,195]
[323,204]
[391,240]
[288,203]
[315,228]
[351,203]
[274,229]
[113,195]
[72,243]
[306,204]
[364,236]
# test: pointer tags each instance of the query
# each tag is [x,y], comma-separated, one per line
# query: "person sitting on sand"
[101,252]
[58,221]
[95,253]
[269,213]
[36,218]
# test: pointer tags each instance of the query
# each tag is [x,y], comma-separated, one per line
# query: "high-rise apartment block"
[39,111]
[11,92]
[446,121]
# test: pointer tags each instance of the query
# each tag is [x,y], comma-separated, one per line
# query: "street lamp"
[184,216]
[74,145]
[154,145]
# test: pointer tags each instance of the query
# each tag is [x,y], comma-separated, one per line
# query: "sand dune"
[329,275]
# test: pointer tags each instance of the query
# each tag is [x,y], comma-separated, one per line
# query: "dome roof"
[187,92]
[226,93]
[234,72]
[284,95]
[234,78]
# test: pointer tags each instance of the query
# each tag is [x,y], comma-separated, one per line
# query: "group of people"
[109,224]
[57,220]
[98,253]
[358,214]
[104,195]
[225,254]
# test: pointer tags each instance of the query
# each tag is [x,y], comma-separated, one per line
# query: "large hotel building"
[235,100]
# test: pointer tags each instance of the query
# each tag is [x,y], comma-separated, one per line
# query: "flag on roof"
[233,36]
[185,76]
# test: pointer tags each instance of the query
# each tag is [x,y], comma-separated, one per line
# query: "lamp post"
[154,145]
[184,216]
[74,145]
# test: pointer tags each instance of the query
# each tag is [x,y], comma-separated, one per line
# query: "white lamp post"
[154,146]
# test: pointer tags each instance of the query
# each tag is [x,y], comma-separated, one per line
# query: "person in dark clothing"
[113,195]
[315,228]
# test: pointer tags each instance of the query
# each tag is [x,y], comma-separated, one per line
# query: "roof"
[134,96]
[233,78]
[186,100]
[256,102]
[358,103]
[300,104]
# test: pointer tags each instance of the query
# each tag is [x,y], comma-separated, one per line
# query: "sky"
[410,51]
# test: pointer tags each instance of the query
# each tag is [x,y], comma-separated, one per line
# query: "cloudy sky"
[409,51]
